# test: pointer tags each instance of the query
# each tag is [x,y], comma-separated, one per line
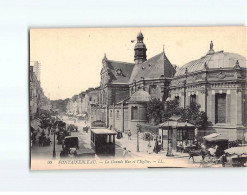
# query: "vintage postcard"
[110,98]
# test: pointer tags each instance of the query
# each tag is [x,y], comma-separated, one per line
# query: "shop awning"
[237,150]
[83,115]
[215,137]
[176,124]
[35,124]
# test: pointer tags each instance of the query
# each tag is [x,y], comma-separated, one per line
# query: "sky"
[71,58]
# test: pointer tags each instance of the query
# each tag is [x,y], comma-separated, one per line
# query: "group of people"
[43,139]
[157,145]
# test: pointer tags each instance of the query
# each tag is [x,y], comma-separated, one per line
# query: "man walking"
[129,135]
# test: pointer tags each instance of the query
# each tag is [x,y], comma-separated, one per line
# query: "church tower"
[140,50]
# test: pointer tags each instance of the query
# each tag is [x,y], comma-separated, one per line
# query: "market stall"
[177,133]
[236,156]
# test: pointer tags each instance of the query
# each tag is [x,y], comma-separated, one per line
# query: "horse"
[197,152]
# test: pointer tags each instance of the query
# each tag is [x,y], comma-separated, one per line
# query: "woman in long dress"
[149,149]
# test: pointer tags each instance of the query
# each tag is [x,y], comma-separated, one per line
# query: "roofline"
[217,52]
[206,70]
[154,79]
[126,63]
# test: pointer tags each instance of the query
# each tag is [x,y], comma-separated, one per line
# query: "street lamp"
[54,146]
[167,153]
[137,146]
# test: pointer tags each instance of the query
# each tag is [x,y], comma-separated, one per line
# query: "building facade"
[125,88]
[38,101]
[216,81]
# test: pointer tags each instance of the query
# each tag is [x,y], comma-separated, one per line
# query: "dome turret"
[140,50]
[140,96]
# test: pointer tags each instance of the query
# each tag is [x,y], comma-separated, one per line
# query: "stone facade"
[38,101]
[121,82]
[216,81]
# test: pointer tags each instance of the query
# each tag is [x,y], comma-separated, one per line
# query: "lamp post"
[168,144]
[54,146]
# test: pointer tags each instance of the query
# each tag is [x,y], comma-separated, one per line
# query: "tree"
[191,113]
[172,108]
[155,111]
[194,116]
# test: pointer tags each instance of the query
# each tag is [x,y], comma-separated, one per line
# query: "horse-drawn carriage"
[71,149]
[85,129]
[61,134]
[70,145]
[211,150]
[236,156]
[72,128]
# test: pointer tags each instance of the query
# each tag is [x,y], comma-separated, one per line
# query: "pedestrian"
[223,160]
[169,151]
[125,152]
[149,151]
[129,135]
[156,150]
[49,131]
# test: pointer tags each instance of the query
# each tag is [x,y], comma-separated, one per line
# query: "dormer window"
[119,72]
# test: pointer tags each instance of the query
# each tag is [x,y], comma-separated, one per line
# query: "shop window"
[134,113]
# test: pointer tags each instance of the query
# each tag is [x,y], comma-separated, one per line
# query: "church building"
[216,81]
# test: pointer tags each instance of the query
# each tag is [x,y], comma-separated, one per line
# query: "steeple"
[140,50]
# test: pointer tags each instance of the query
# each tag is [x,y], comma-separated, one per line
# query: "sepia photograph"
[139,97]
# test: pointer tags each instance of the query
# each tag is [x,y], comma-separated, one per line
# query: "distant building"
[38,101]
[36,68]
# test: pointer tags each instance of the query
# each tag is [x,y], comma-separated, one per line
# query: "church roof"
[213,60]
[154,67]
[120,71]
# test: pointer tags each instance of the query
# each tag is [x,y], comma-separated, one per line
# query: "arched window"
[220,108]
[177,99]
[134,113]
[193,99]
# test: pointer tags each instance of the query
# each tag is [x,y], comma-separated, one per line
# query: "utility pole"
[54,145]
[137,145]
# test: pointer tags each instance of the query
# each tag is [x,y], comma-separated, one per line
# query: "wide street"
[84,142]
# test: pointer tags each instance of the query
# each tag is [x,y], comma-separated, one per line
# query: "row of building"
[216,81]
[38,100]
[81,103]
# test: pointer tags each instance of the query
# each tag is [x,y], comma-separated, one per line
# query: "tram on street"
[103,141]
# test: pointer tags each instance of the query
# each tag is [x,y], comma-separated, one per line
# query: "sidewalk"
[131,145]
